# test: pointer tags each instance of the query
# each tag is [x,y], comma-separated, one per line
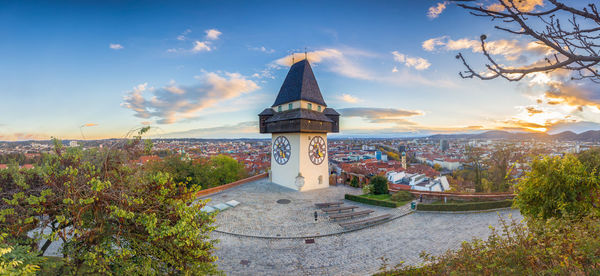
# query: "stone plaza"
[271,232]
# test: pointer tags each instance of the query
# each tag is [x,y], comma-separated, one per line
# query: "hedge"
[371,201]
[467,206]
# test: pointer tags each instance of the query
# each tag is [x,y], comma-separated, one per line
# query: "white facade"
[300,173]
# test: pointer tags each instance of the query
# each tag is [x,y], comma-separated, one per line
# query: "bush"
[118,218]
[552,247]
[354,182]
[380,185]
[467,206]
[557,187]
[367,189]
[371,201]
[402,196]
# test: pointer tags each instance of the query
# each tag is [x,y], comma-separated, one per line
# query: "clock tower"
[299,121]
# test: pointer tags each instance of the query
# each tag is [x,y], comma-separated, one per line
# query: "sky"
[205,69]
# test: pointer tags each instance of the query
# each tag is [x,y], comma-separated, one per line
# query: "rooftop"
[300,84]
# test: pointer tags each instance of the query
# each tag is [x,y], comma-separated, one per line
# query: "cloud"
[262,49]
[239,130]
[577,95]
[349,98]
[415,62]
[532,110]
[200,46]
[343,62]
[510,49]
[115,46]
[395,69]
[20,136]
[172,103]
[213,34]
[336,60]
[521,5]
[381,115]
[436,10]
[89,125]
[182,36]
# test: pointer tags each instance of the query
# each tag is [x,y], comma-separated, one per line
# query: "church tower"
[299,121]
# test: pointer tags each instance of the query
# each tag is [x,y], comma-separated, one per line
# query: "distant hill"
[588,136]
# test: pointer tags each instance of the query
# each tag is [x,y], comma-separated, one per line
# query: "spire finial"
[305,54]
[293,58]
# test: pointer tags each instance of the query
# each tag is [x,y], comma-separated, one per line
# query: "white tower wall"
[312,176]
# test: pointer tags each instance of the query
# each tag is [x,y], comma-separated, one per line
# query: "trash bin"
[413,205]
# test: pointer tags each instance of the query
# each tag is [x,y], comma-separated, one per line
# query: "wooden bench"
[339,209]
[328,204]
[365,222]
[351,215]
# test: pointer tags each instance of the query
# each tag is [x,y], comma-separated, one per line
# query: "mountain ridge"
[587,136]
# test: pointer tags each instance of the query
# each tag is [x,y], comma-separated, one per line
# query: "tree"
[498,169]
[354,182]
[113,218]
[380,185]
[573,46]
[437,167]
[558,187]
[591,160]
[205,173]
[475,161]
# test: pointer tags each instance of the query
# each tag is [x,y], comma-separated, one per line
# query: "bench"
[351,215]
[328,204]
[339,209]
[365,222]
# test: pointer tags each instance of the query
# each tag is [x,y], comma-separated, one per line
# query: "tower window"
[290,106]
[309,106]
[319,108]
[279,108]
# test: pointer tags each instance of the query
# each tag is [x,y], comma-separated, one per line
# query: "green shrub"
[354,182]
[552,247]
[402,196]
[367,189]
[558,186]
[467,206]
[371,201]
[380,185]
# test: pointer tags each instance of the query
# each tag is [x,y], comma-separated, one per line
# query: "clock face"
[317,150]
[281,150]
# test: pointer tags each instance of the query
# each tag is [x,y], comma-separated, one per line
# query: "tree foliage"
[558,187]
[380,185]
[112,217]
[207,173]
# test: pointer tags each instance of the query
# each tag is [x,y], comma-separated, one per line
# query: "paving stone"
[350,253]
[222,206]
[232,203]
[208,209]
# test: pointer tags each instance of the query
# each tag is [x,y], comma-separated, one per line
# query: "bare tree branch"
[574,48]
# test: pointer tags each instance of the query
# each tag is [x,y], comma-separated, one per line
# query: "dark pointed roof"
[300,84]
